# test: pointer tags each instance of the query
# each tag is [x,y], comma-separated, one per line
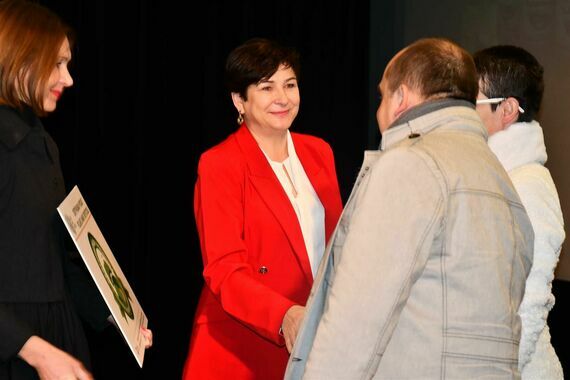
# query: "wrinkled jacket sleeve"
[219,212]
[13,332]
[87,300]
[397,212]
[538,194]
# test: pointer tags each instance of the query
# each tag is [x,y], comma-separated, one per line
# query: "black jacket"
[34,264]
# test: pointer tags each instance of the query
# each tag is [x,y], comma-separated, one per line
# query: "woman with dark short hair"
[266,200]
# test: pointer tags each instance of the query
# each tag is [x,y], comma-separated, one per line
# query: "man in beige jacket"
[426,269]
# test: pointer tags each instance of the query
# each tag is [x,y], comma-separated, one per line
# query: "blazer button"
[263,269]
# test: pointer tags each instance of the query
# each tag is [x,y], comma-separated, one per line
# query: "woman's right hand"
[51,363]
[292,324]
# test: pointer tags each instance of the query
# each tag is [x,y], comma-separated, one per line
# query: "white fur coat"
[521,150]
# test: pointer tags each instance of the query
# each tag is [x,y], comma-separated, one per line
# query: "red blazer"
[255,261]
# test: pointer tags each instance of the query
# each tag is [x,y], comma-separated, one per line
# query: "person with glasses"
[510,92]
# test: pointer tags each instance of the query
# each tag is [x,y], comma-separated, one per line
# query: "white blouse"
[307,205]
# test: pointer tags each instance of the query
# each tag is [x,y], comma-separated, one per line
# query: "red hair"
[30,38]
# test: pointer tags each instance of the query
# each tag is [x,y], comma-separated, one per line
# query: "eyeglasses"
[495,101]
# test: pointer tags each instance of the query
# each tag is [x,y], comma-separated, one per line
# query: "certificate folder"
[108,276]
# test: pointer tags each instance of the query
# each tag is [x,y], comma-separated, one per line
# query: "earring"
[240,118]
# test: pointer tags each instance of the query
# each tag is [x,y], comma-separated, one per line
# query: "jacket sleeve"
[378,256]
[87,300]
[538,194]
[13,334]
[219,212]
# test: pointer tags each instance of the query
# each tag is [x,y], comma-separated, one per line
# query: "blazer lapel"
[310,164]
[270,190]
[313,165]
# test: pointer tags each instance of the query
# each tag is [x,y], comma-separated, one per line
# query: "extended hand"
[50,362]
[291,324]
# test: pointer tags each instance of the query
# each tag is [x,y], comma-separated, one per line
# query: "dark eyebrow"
[270,81]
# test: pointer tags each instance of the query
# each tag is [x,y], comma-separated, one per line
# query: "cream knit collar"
[519,144]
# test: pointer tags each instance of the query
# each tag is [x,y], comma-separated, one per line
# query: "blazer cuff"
[13,335]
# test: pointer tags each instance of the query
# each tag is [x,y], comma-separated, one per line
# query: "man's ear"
[403,100]
[238,102]
[510,112]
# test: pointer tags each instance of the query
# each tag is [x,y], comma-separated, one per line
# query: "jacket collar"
[520,144]
[430,115]
[270,190]
[258,165]
[15,125]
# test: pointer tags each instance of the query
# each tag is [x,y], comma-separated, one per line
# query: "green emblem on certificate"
[120,294]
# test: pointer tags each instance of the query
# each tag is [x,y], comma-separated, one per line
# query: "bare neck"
[274,145]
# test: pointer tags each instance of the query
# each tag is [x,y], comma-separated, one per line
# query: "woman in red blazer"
[265,202]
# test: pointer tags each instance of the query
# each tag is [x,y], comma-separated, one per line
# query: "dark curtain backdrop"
[149,98]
